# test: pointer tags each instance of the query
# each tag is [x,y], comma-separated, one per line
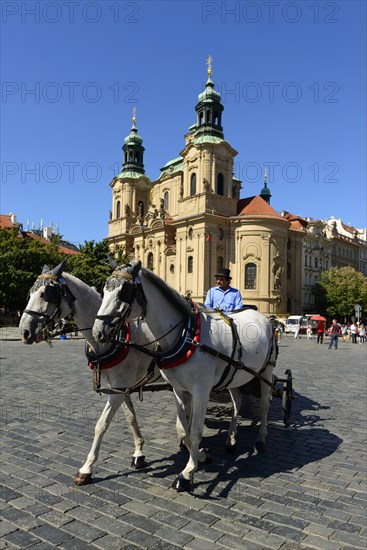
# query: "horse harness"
[190,336]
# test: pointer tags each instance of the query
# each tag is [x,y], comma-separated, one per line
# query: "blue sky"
[293,83]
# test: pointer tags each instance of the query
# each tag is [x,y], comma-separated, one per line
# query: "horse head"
[123,300]
[50,300]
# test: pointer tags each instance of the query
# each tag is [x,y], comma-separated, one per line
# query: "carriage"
[239,349]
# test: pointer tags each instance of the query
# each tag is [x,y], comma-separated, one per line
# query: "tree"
[22,260]
[91,266]
[339,289]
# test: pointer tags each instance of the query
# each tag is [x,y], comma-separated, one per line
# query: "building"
[41,235]
[191,221]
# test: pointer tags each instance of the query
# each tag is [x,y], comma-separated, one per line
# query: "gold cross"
[209,63]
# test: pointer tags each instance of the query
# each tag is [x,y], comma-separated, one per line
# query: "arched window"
[250,276]
[136,157]
[150,261]
[118,209]
[289,270]
[166,201]
[220,184]
[193,185]
[190,264]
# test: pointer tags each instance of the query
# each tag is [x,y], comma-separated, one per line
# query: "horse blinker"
[51,294]
[126,293]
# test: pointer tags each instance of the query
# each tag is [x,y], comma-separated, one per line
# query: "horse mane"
[72,279]
[167,291]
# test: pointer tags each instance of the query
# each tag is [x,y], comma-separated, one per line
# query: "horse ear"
[59,268]
[135,268]
[45,269]
[112,262]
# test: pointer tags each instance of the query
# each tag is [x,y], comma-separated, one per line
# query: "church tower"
[208,157]
[130,190]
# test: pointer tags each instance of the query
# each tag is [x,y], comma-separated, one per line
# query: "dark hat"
[223,272]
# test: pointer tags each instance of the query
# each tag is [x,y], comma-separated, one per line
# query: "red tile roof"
[255,206]
[5,222]
[62,249]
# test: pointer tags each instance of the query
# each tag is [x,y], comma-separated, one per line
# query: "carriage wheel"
[287,397]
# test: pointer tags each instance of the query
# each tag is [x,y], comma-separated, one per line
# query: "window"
[193,185]
[166,201]
[250,276]
[316,262]
[220,262]
[172,269]
[220,184]
[190,233]
[190,264]
[150,261]
[289,270]
[140,209]
[118,209]
[220,234]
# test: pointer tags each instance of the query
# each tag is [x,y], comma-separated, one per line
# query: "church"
[191,221]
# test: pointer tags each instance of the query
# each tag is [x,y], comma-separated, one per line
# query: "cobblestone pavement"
[308,490]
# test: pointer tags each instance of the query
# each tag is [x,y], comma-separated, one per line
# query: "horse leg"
[236,397]
[183,422]
[84,476]
[138,460]
[199,405]
[266,395]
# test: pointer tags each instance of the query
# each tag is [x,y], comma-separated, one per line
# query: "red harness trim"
[192,348]
[117,356]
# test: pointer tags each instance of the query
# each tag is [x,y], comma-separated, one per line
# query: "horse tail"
[274,351]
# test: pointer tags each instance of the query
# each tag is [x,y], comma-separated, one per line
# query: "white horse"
[54,296]
[199,350]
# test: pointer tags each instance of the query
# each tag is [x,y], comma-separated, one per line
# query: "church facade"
[191,220]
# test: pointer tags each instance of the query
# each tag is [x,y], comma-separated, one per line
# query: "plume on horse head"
[57,271]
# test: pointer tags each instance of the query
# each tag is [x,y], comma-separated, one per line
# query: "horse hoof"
[82,479]
[260,446]
[181,484]
[230,449]
[208,457]
[138,462]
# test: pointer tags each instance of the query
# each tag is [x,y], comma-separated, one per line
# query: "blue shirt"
[228,300]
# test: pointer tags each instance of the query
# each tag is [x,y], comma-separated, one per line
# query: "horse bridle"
[131,289]
[55,290]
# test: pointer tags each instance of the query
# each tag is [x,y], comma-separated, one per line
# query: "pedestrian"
[320,332]
[297,335]
[223,296]
[345,332]
[309,332]
[334,332]
[362,333]
[353,332]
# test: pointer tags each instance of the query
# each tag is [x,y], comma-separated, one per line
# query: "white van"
[293,322]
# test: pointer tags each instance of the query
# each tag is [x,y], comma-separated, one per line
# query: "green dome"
[209,95]
[133,137]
